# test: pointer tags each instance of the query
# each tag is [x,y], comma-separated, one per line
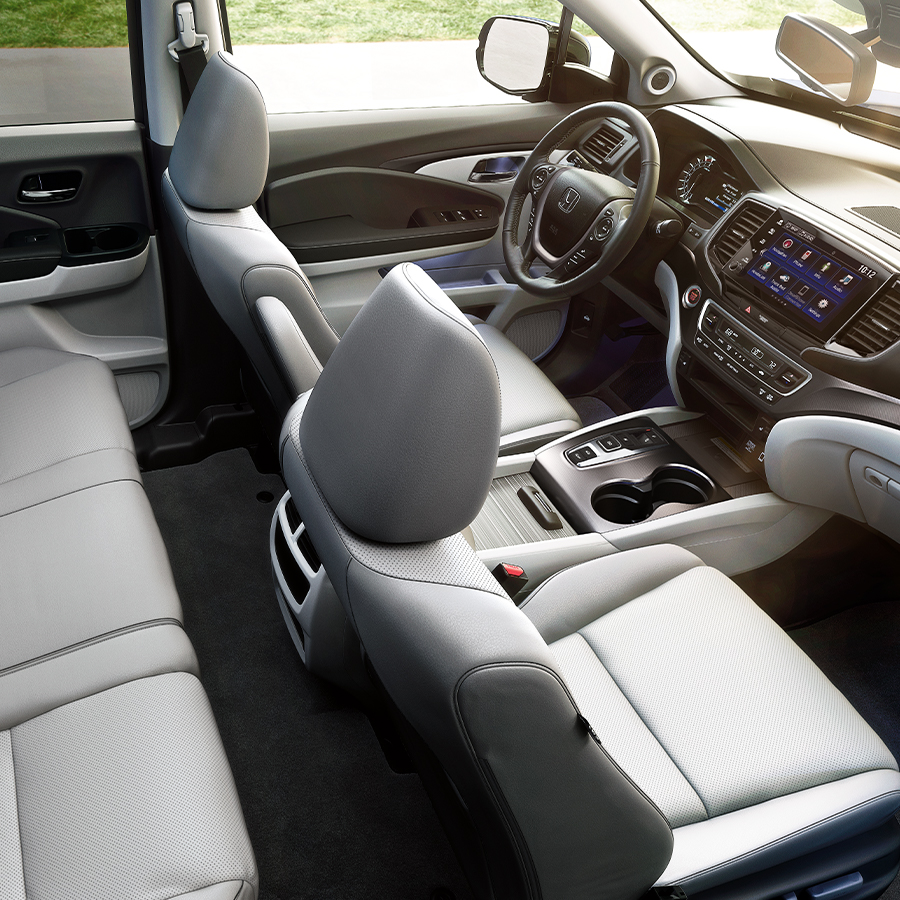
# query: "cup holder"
[103,243]
[627,502]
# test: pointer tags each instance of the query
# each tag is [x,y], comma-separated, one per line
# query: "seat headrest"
[221,153]
[402,430]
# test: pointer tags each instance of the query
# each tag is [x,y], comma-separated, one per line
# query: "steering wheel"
[583,223]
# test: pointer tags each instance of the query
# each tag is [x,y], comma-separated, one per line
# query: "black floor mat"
[326,815]
[859,650]
[640,383]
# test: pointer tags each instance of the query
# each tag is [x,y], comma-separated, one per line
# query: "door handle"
[48,196]
[497,168]
[52,187]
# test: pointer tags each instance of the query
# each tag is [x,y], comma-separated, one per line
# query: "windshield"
[737,37]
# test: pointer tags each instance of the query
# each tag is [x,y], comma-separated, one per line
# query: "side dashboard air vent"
[877,326]
[603,143]
[743,225]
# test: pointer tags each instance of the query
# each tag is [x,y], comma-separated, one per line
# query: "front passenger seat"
[638,722]
[216,173]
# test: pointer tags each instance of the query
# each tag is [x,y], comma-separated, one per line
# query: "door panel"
[384,166]
[352,212]
[403,139]
[112,308]
[476,281]
[471,275]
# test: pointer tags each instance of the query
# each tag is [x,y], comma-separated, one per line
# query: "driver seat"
[216,172]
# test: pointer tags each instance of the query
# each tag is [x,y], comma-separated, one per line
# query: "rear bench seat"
[113,781]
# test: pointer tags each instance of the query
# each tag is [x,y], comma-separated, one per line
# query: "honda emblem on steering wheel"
[569,200]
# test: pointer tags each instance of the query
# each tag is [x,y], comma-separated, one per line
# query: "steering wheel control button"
[539,177]
[608,443]
[603,229]
[691,297]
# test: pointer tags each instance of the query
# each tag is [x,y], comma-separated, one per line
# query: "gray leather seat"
[64,427]
[639,722]
[113,779]
[216,173]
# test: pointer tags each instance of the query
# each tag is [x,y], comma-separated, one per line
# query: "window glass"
[311,55]
[64,61]
[738,37]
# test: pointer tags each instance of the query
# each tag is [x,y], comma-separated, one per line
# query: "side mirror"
[827,59]
[515,54]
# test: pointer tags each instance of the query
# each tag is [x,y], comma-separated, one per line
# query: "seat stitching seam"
[63,365]
[66,459]
[88,487]
[90,642]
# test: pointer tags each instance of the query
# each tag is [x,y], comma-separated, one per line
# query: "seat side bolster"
[297,363]
[427,642]
[589,832]
[575,597]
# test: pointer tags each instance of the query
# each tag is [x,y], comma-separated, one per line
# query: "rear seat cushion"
[63,426]
[87,564]
[113,781]
[124,795]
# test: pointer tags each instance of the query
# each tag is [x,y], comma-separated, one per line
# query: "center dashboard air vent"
[601,146]
[877,326]
[742,225]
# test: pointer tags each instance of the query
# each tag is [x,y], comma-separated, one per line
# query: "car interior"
[460,502]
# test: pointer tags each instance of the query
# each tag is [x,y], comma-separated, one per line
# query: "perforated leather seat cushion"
[85,565]
[123,795]
[707,704]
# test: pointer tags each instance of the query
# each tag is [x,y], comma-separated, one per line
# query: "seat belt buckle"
[512,578]
[186,30]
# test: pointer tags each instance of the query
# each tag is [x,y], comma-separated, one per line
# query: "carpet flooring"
[327,816]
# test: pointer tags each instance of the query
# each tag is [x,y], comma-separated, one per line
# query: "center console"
[774,317]
[621,475]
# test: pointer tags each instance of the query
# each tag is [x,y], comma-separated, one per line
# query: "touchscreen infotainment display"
[810,279]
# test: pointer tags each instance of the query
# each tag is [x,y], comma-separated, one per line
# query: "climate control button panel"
[730,346]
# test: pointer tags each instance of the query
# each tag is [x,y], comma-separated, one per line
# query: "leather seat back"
[216,172]
[387,458]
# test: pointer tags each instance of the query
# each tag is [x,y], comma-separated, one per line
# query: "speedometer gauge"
[696,171]
[704,182]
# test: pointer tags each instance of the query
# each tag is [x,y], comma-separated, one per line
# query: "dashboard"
[782,295]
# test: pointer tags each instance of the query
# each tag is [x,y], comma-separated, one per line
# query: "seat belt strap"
[189,48]
[192,63]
